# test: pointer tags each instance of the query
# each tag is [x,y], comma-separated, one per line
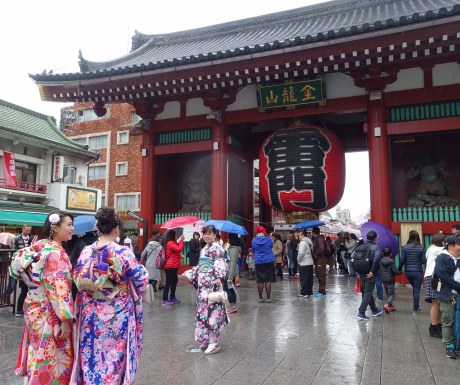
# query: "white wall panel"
[408,79]
[172,110]
[339,85]
[445,74]
[245,99]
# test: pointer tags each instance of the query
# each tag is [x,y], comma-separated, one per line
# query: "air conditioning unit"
[82,180]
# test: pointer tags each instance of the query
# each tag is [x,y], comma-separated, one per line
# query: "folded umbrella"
[179,222]
[309,224]
[227,226]
[84,224]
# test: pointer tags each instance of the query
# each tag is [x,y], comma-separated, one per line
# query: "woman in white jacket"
[148,258]
[305,261]
[436,247]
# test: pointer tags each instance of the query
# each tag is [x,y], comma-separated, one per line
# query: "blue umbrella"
[84,224]
[309,224]
[385,237]
[227,226]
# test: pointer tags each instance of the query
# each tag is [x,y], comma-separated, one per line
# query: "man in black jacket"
[447,269]
[368,280]
[19,242]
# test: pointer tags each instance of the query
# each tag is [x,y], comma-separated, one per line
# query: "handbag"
[148,294]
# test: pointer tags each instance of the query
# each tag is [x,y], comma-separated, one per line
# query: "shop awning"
[22,217]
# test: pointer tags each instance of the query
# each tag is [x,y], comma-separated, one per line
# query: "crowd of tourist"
[110,279]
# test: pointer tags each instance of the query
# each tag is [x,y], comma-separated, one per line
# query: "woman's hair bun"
[107,220]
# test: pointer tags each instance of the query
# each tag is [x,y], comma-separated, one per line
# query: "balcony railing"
[427,214]
[25,186]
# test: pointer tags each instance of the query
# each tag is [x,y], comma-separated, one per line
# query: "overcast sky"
[47,34]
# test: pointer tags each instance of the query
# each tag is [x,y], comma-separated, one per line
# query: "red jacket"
[172,252]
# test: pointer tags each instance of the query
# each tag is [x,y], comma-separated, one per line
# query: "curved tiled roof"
[22,121]
[301,26]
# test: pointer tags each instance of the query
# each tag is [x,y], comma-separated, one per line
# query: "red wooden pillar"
[219,171]
[379,163]
[148,192]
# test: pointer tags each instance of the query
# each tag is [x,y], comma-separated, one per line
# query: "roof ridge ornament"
[83,63]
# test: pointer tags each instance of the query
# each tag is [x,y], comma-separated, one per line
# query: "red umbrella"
[179,222]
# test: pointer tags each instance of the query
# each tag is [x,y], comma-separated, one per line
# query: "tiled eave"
[402,46]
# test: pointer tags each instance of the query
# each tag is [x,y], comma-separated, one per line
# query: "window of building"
[135,118]
[129,201]
[96,172]
[89,115]
[80,140]
[26,172]
[121,168]
[123,137]
[97,142]
[70,174]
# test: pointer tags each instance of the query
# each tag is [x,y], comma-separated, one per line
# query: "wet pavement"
[291,340]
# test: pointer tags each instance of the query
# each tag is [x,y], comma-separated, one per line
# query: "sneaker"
[175,301]
[19,314]
[167,303]
[416,312]
[387,308]
[362,316]
[377,312]
[319,295]
[233,309]
[303,296]
[451,352]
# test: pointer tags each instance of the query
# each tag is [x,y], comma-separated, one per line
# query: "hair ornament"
[54,219]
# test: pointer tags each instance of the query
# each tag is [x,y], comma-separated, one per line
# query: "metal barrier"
[5,279]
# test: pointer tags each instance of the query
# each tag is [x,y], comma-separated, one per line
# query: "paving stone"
[292,340]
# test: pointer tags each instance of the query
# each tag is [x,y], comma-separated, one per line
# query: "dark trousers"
[415,280]
[320,269]
[390,292]
[306,279]
[279,270]
[367,287]
[171,284]
[22,296]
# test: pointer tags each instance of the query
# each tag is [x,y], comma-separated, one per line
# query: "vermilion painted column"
[248,198]
[379,163]
[219,171]
[148,192]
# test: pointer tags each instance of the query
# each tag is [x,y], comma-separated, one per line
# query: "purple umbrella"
[385,237]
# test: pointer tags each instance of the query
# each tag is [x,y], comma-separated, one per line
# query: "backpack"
[160,259]
[361,259]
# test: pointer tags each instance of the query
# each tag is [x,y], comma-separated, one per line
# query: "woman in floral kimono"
[109,308]
[208,276]
[46,352]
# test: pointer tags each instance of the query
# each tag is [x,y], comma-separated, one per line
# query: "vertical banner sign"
[58,168]
[9,167]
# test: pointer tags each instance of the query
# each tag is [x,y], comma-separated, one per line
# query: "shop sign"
[81,199]
[290,95]
[9,168]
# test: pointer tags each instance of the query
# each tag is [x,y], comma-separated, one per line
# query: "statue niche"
[432,188]
[196,195]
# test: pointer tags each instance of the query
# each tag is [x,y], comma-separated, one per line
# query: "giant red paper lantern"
[302,168]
